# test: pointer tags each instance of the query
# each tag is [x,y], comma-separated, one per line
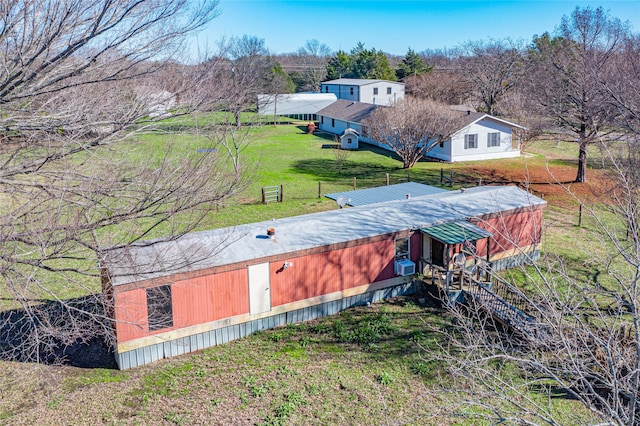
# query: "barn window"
[402,248]
[159,307]
[351,91]
[493,139]
[333,122]
[388,90]
[322,119]
[326,89]
[470,141]
[348,140]
[375,90]
[441,143]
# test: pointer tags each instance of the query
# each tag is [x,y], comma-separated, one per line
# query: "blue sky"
[394,26]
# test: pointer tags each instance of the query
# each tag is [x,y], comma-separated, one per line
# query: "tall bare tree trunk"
[581,176]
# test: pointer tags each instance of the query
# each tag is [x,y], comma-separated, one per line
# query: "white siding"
[365,93]
[482,152]
[339,127]
[383,97]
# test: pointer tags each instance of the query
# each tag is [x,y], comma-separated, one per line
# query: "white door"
[426,247]
[259,291]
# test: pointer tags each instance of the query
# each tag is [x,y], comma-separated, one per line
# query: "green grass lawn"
[362,366]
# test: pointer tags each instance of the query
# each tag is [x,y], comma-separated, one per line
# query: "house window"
[493,139]
[375,90]
[159,307]
[470,141]
[333,122]
[348,140]
[388,90]
[402,248]
[351,91]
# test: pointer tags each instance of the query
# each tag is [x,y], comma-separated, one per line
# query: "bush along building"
[208,288]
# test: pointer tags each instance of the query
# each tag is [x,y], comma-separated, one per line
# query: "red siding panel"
[131,315]
[231,294]
[323,273]
[209,298]
[511,231]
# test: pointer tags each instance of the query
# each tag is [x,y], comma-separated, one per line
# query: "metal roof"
[381,194]
[243,243]
[294,103]
[358,81]
[456,232]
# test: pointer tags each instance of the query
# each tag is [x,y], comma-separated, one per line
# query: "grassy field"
[363,366]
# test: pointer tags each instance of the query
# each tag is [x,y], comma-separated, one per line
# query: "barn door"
[259,289]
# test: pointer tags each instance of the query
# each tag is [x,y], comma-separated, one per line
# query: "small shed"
[349,139]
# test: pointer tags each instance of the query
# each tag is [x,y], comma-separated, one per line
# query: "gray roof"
[474,117]
[243,243]
[357,81]
[346,110]
[381,194]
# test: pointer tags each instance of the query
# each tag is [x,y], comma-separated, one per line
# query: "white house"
[343,114]
[481,136]
[377,92]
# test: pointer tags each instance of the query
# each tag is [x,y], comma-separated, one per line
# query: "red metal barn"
[211,287]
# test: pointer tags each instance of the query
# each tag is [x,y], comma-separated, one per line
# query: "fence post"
[319,189]
[441,175]
[281,192]
[264,200]
[580,216]
[450,178]
[354,183]
[387,178]
[409,176]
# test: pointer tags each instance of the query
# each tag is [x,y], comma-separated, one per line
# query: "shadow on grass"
[330,170]
[73,332]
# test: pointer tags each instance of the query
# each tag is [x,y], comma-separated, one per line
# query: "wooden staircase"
[499,299]
[503,311]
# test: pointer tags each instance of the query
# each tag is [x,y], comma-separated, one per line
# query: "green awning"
[456,232]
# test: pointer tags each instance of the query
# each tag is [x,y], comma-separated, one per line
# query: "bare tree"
[578,333]
[519,107]
[566,70]
[439,85]
[622,85]
[246,74]
[70,88]
[491,69]
[313,57]
[412,128]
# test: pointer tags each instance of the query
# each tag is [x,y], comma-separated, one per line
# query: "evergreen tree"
[339,66]
[412,64]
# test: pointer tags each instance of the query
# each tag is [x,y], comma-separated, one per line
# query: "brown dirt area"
[554,183]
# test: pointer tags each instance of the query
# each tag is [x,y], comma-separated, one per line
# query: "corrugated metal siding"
[324,273]
[223,335]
